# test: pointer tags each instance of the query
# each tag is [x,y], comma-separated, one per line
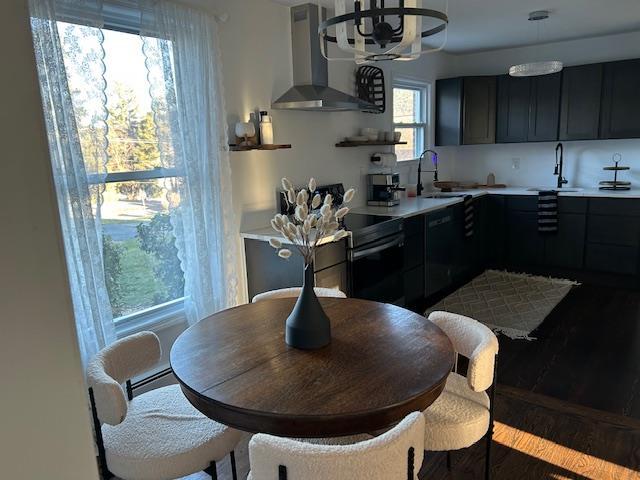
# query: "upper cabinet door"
[580,103]
[479,110]
[449,111]
[514,96]
[544,110]
[621,100]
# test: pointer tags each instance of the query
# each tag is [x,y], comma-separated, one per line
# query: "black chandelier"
[399,27]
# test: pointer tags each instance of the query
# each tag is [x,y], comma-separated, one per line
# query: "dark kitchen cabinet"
[565,248]
[580,102]
[529,248]
[439,237]
[525,246]
[449,111]
[514,97]
[620,117]
[544,108]
[479,110]
[495,227]
[528,108]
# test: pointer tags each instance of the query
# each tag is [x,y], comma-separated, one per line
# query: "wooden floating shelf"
[367,143]
[245,148]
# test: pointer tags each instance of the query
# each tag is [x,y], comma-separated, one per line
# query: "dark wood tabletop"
[383,363]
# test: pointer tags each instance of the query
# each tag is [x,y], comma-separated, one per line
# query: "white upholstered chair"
[463,413]
[295,292]
[394,455]
[157,435]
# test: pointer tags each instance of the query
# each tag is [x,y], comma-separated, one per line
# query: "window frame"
[424,88]
[166,314]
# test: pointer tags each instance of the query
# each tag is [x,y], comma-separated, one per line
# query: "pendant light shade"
[534,69]
[374,30]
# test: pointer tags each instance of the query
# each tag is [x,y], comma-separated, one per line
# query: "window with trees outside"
[142,269]
[410,118]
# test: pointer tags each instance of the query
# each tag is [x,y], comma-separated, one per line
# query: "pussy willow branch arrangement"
[315,219]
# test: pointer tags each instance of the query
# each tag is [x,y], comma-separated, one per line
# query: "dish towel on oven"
[548,211]
[468,216]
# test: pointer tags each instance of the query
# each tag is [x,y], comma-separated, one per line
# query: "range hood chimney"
[311,89]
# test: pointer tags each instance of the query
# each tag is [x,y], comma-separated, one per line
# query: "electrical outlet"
[515,163]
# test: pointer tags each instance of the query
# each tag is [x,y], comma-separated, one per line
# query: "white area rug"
[513,304]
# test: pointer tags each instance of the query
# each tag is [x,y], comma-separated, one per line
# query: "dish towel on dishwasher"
[548,211]
[468,216]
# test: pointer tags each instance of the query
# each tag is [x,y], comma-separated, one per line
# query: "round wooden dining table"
[383,363]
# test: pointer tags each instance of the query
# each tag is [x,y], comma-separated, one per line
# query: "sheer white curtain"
[78,178]
[183,60]
[183,64]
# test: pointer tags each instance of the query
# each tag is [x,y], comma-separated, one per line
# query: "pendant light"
[534,69]
[382,31]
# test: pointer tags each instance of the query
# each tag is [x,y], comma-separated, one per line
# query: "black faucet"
[434,159]
[559,165]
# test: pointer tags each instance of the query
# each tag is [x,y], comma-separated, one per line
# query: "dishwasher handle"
[439,221]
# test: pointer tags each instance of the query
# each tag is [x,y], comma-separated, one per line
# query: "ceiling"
[493,24]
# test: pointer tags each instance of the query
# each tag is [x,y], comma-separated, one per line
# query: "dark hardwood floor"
[568,404]
[587,352]
[535,438]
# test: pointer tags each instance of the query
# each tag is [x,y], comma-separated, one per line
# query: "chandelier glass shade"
[382,32]
[535,69]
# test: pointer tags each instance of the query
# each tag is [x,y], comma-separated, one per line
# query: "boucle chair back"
[116,364]
[473,340]
[295,292]
[395,455]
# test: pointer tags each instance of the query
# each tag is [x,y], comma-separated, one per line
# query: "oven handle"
[398,241]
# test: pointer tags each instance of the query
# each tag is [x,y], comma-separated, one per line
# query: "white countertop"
[266,233]
[418,205]
[411,206]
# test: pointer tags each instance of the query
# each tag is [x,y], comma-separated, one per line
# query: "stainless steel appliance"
[376,258]
[383,189]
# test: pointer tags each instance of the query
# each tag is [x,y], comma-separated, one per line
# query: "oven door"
[376,270]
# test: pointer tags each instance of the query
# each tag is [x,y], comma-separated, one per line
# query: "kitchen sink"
[536,189]
[442,195]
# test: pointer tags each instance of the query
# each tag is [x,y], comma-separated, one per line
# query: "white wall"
[44,431]
[584,159]
[256,56]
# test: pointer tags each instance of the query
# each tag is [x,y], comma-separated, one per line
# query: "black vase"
[308,327]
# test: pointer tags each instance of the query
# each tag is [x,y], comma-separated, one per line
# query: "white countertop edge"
[412,206]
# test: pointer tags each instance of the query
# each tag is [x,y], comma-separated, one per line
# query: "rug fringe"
[561,281]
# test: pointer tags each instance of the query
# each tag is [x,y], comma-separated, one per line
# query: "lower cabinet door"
[525,246]
[565,248]
[615,259]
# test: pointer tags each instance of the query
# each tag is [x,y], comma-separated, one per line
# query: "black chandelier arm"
[423,12]
[370,41]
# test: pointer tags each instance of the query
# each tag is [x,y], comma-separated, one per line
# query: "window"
[143,274]
[410,113]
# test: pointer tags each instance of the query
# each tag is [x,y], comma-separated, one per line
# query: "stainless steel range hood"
[311,89]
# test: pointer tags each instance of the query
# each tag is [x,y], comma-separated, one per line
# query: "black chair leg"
[487,465]
[232,457]
[212,470]
[449,460]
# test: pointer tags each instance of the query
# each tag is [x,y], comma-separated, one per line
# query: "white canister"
[266,129]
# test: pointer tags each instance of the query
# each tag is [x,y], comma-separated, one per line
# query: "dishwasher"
[439,252]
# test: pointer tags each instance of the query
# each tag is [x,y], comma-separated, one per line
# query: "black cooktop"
[370,228]
[359,221]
